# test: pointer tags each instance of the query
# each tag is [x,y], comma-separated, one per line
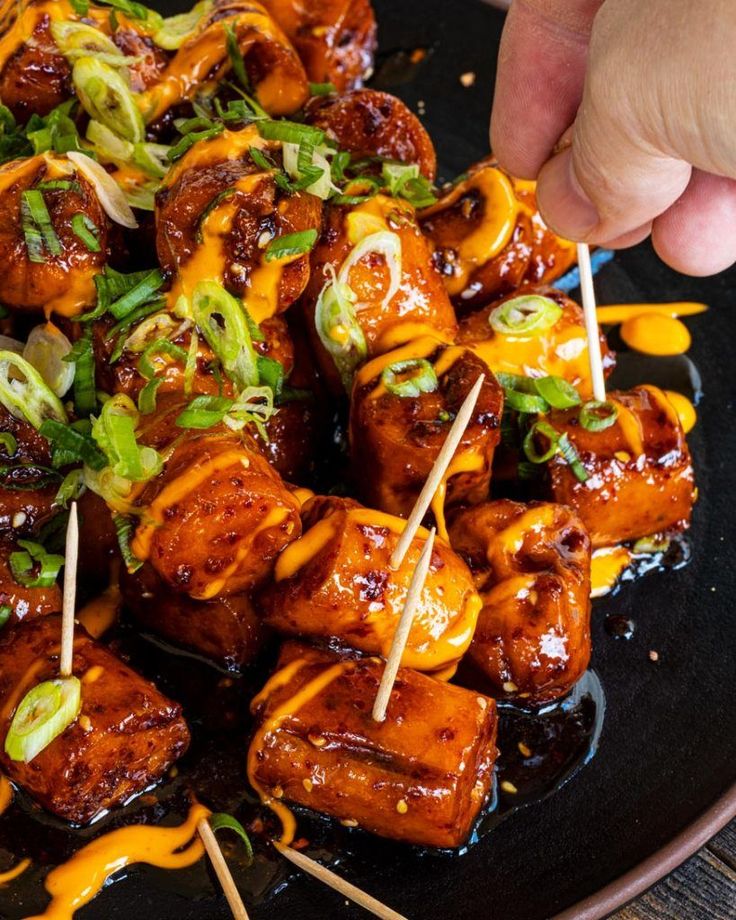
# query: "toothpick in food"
[402,630]
[591,323]
[222,871]
[437,473]
[333,881]
[70,593]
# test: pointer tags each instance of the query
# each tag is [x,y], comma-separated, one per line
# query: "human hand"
[626,112]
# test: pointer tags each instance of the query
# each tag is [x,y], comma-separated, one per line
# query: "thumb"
[609,183]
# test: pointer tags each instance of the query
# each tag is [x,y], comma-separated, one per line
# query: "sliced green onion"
[254,406]
[189,140]
[124,528]
[83,355]
[25,394]
[530,448]
[70,489]
[32,555]
[224,195]
[221,319]
[322,89]
[572,458]
[42,715]
[107,98]
[114,432]
[236,57]
[47,349]
[80,7]
[76,444]
[220,822]
[405,181]
[85,229]
[190,368]
[529,314]
[271,374]
[310,169]
[338,328]
[8,443]
[383,243]
[652,545]
[6,611]
[138,295]
[557,392]
[36,222]
[159,347]
[175,30]
[597,416]
[147,396]
[108,192]
[290,245]
[410,378]
[291,132]
[135,10]
[525,402]
[77,39]
[204,412]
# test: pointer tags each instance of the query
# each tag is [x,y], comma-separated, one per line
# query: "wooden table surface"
[702,889]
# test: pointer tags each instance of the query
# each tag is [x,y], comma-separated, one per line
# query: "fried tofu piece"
[640,475]
[226,630]
[421,776]
[336,583]
[395,438]
[489,237]
[532,567]
[126,736]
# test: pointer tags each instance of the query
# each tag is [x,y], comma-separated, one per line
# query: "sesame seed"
[277,792]
[525,749]
[308,784]
[509,787]
[653,656]
[264,239]
[402,807]
[509,686]
[19,519]
[349,822]
[85,724]
[317,740]
[468,79]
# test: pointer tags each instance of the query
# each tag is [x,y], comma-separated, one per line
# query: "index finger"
[541,71]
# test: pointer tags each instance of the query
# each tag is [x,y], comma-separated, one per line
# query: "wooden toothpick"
[329,878]
[66,657]
[591,323]
[436,474]
[222,871]
[402,630]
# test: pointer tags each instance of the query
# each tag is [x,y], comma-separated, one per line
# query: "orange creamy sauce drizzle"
[493,233]
[100,614]
[655,334]
[78,881]
[606,567]
[270,725]
[6,794]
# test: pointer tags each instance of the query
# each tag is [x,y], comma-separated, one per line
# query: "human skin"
[625,113]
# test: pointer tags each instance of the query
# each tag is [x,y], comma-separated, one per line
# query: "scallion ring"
[338,329]
[24,392]
[42,715]
[528,315]
[47,349]
[291,245]
[221,319]
[8,443]
[107,98]
[526,403]
[597,416]
[410,378]
[545,430]
[557,392]
[220,822]
[27,558]
[572,458]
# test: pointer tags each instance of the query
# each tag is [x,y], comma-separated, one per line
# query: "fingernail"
[562,202]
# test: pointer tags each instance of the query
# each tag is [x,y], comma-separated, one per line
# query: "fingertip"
[563,204]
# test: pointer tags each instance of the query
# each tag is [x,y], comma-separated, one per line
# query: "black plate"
[666,752]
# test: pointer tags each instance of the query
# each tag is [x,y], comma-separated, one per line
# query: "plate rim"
[654,868]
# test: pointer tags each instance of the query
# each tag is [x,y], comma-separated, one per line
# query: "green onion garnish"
[530,447]
[221,822]
[529,314]
[527,403]
[76,445]
[70,489]
[80,7]
[86,230]
[204,412]
[291,132]
[114,432]
[24,392]
[322,89]
[404,180]
[216,202]
[290,245]
[271,374]
[83,357]
[42,715]
[147,396]
[189,140]
[5,613]
[410,378]
[557,392]
[338,328]
[597,416]
[159,347]
[124,528]
[33,554]
[236,57]
[138,295]
[572,458]
[221,319]
[37,227]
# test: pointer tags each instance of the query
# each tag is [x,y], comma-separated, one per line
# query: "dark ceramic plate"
[659,782]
